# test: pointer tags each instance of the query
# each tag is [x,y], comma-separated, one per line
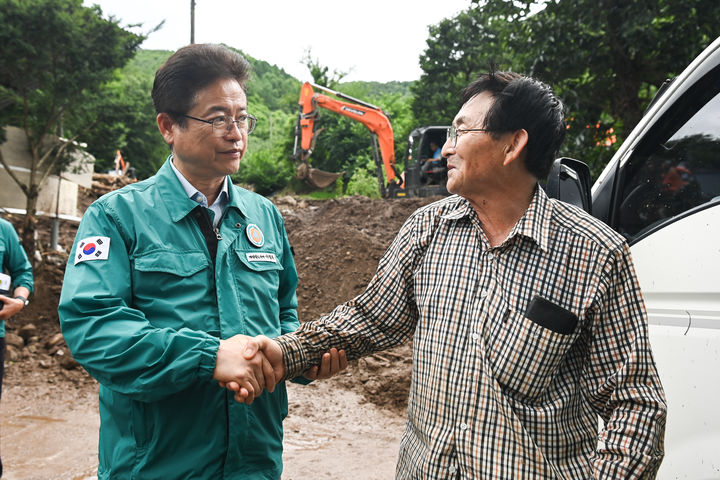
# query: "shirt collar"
[462,208]
[195,194]
[534,224]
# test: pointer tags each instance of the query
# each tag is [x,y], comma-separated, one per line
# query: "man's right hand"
[259,347]
[273,353]
[242,367]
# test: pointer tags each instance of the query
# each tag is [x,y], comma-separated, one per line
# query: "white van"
[661,191]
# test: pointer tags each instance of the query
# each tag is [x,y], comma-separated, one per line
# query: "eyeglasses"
[223,124]
[452,133]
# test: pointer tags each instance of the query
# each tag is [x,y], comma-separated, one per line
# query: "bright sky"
[375,40]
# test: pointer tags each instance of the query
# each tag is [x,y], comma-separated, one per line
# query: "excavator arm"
[369,115]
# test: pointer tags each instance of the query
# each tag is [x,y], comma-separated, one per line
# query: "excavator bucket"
[314,177]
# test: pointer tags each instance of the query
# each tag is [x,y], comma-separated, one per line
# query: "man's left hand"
[11,306]
[332,363]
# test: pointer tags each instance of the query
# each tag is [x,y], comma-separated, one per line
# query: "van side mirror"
[569,181]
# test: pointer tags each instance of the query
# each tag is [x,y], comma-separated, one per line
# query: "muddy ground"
[49,404]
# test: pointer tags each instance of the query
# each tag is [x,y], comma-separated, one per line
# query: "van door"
[667,204]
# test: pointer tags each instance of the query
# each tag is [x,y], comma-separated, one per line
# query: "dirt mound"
[337,245]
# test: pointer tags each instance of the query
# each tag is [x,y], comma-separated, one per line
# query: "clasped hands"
[247,366]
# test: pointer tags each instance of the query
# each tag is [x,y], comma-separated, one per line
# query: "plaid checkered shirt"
[494,394]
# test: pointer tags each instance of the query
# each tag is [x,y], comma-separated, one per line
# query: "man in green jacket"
[18,279]
[169,276]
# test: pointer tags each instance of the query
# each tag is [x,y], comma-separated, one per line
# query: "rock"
[67,362]
[12,354]
[55,341]
[287,200]
[57,260]
[27,331]
[373,387]
[372,364]
[14,340]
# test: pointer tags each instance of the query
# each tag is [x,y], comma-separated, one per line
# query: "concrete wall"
[16,154]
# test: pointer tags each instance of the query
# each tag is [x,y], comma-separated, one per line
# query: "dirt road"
[330,433]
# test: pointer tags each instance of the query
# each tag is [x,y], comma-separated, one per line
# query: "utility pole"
[192,21]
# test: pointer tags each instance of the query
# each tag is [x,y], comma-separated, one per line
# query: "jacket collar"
[179,204]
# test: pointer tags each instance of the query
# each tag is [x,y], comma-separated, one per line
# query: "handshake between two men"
[247,366]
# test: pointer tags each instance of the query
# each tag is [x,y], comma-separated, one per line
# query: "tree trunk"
[29,225]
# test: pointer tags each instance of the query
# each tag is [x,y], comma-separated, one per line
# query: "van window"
[677,167]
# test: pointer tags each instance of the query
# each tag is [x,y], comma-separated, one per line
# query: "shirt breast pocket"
[525,356]
[169,285]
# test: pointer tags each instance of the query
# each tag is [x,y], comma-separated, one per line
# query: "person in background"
[525,313]
[434,168]
[16,285]
[169,277]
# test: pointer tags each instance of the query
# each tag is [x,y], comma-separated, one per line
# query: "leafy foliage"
[267,165]
[604,58]
[56,55]
[458,49]
[364,180]
[128,118]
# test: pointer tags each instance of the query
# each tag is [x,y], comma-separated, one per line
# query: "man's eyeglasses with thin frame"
[223,124]
[453,131]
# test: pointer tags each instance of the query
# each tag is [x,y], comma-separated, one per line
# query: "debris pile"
[45,352]
[103,183]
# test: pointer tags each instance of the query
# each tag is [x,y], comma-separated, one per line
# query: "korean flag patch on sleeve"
[92,248]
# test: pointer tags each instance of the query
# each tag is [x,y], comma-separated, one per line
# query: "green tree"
[55,54]
[605,58]
[127,122]
[458,49]
[321,73]
[267,165]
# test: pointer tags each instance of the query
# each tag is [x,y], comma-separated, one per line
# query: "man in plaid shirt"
[525,312]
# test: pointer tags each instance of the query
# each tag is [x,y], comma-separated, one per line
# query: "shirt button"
[475,336]
[463,426]
[490,256]
[483,293]
[452,470]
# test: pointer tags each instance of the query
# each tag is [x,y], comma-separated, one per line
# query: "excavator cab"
[425,176]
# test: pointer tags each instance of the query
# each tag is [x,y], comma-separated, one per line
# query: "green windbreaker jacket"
[143,308]
[14,262]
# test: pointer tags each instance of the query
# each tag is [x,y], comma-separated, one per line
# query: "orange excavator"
[372,117]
